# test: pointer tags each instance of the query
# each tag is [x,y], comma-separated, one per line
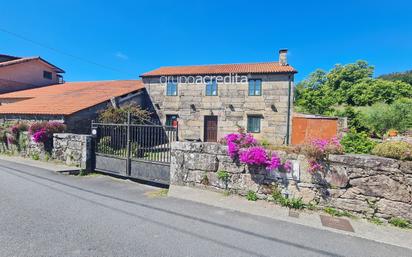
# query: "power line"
[63,52]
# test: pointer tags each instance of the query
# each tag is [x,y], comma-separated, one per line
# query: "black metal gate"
[136,151]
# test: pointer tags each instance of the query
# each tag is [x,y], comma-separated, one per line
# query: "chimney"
[283,60]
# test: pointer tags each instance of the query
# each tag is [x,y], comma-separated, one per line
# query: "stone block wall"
[73,149]
[365,185]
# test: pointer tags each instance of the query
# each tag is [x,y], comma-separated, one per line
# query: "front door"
[210,129]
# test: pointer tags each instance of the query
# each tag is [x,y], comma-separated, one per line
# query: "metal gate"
[135,151]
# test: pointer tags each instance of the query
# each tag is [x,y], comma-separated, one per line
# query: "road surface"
[43,213]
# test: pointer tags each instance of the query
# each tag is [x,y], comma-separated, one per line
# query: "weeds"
[251,196]
[293,203]
[375,221]
[224,176]
[400,223]
[332,211]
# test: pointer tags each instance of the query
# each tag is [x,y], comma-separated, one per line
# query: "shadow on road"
[166,225]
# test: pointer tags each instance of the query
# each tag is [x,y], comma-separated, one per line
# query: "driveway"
[43,213]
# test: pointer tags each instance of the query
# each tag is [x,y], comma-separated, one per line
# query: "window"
[171,88]
[211,88]
[171,120]
[47,75]
[255,87]
[253,124]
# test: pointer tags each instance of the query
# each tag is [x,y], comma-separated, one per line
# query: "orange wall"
[307,129]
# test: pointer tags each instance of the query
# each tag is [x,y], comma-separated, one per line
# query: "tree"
[405,76]
[119,115]
[351,85]
[369,91]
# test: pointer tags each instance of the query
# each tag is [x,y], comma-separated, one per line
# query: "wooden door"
[210,129]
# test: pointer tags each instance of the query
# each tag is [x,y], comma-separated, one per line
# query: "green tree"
[351,84]
[119,115]
[369,91]
[312,95]
[405,76]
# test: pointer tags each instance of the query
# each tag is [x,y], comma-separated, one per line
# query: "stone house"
[74,103]
[20,73]
[210,101]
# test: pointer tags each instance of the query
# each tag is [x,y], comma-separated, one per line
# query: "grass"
[157,193]
[337,213]
[400,223]
[375,221]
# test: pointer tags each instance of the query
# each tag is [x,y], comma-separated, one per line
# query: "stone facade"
[232,106]
[365,185]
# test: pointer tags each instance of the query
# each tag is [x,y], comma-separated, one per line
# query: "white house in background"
[19,73]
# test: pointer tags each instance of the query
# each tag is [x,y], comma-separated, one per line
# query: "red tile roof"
[67,98]
[245,68]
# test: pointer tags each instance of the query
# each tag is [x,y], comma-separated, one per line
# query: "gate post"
[128,161]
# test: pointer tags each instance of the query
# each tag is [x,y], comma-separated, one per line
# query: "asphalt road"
[47,214]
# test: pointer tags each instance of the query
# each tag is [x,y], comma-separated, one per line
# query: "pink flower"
[321,144]
[232,149]
[254,156]
[231,137]
[40,136]
[274,162]
[11,140]
[314,166]
[287,166]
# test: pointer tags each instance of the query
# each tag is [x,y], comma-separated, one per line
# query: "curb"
[362,228]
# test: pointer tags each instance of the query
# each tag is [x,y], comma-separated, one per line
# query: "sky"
[108,40]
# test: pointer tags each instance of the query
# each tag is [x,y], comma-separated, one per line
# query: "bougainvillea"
[40,136]
[253,156]
[237,141]
[274,162]
[314,166]
[287,166]
[42,132]
[245,148]
[318,150]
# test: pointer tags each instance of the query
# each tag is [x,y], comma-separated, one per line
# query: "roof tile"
[67,98]
[244,68]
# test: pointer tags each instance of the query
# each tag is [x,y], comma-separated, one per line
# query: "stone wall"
[365,185]
[73,149]
[232,106]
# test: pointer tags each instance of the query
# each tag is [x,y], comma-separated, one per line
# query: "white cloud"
[121,56]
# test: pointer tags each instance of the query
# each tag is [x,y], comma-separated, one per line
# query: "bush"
[381,117]
[394,149]
[354,142]
[356,119]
